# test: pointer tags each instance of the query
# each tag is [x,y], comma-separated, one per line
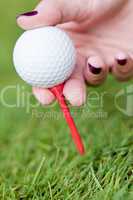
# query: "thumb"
[52,12]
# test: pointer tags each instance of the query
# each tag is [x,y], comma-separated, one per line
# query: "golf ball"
[44,57]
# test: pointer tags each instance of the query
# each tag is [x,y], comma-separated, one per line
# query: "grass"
[38,160]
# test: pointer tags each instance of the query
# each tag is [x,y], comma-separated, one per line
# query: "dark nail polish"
[94,70]
[110,69]
[122,62]
[28,14]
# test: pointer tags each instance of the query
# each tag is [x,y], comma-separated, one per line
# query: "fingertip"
[123,66]
[45,14]
[21,23]
[75,92]
[95,71]
[28,20]
[44,96]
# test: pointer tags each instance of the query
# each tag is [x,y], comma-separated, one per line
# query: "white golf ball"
[44,57]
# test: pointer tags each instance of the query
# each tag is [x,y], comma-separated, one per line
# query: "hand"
[102,35]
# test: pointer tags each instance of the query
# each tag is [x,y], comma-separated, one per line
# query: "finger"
[75,89]
[44,96]
[123,67]
[51,12]
[95,71]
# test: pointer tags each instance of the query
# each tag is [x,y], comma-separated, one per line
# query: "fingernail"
[122,62]
[94,70]
[28,14]
[110,69]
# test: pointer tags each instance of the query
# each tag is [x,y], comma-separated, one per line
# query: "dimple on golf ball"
[44,57]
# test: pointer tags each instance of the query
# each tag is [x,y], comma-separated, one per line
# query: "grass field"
[38,160]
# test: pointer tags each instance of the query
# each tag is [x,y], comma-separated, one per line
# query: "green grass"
[37,157]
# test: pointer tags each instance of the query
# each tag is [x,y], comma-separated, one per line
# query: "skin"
[102,32]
